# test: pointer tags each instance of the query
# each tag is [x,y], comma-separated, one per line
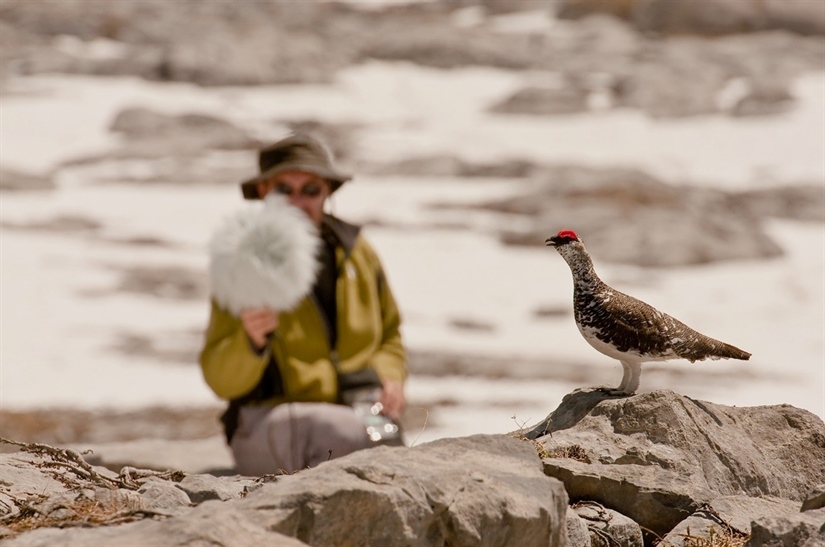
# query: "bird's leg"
[631,374]
[625,377]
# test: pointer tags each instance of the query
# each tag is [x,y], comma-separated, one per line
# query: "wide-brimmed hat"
[295,153]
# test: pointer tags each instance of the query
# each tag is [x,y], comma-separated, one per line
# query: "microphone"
[264,255]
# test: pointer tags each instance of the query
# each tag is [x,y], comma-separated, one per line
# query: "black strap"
[271,385]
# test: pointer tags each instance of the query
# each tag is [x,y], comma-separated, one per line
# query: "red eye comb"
[568,234]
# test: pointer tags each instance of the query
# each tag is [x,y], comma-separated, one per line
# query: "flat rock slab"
[671,454]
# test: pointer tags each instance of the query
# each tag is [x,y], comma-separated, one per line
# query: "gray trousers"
[293,436]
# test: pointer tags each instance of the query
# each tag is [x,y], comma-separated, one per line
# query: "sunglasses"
[309,190]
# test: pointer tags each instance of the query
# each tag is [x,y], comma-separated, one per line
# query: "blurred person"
[326,378]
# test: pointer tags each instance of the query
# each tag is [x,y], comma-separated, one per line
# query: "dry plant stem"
[129,476]
[83,512]
[68,459]
[423,427]
[71,460]
[602,516]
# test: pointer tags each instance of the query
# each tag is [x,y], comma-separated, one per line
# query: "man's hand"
[258,323]
[392,398]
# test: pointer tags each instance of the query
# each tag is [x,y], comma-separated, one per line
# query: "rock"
[731,515]
[815,498]
[161,494]
[799,202]
[62,224]
[671,454]
[199,130]
[11,180]
[608,527]
[212,523]
[620,214]
[445,46]
[740,75]
[177,149]
[800,530]
[661,500]
[674,80]
[578,535]
[445,165]
[767,99]
[727,16]
[200,488]
[542,101]
[22,477]
[478,490]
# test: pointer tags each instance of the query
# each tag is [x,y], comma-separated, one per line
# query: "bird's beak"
[550,242]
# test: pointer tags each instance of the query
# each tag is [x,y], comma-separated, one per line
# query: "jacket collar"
[344,232]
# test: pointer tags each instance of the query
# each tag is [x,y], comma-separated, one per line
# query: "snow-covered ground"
[61,313]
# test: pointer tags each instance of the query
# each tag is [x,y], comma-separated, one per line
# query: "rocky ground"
[656,468]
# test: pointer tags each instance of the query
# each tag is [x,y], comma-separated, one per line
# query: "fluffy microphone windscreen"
[264,255]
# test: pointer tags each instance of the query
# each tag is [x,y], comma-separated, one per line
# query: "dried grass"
[574,451]
[723,538]
[82,512]
[69,467]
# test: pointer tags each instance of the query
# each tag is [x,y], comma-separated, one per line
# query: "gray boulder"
[671,454]
[797,202]
[544,101]
[479,490]
[142,127]
[12,180]
[578,534]
[200,488]
[628,216]
[161,494]
[729,516]
[608,527]
[726,16]
[815,498]
[799,530]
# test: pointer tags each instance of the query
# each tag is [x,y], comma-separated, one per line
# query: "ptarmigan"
[625,328]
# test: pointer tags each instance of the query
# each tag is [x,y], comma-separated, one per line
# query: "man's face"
[305,191]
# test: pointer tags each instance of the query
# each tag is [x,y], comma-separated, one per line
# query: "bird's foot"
[614,391]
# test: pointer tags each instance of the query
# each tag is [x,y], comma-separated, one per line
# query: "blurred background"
[684,141]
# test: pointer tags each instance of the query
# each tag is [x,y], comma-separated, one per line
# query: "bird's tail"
[705,347]
[726,351]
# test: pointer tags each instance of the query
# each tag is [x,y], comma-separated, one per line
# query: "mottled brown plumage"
[626,328]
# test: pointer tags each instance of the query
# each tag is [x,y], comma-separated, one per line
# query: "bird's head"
[564,237]
[568,245]
[572,250]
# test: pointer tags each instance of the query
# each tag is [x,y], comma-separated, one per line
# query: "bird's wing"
[634,326]
[640,327]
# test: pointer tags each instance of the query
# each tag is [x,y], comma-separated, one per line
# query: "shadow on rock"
[573,408]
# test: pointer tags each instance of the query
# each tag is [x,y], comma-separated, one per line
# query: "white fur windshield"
[265,255]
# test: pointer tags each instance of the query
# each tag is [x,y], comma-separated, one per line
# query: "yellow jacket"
[367,326]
